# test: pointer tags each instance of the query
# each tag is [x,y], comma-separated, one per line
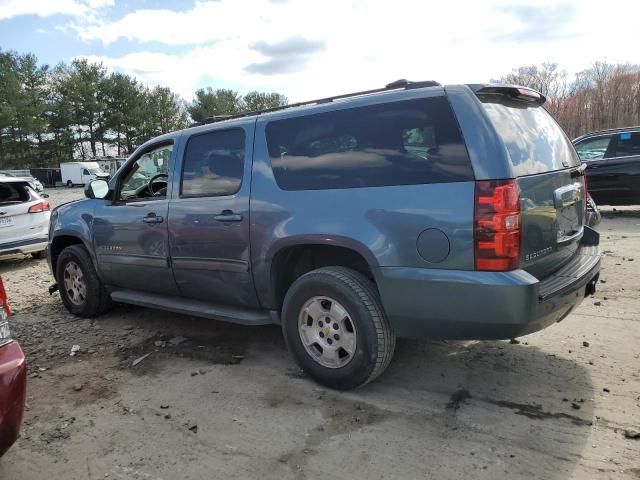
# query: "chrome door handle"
[153,218]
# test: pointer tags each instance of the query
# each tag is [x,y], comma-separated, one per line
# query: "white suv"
[24,218]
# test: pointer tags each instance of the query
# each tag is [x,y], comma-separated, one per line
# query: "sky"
[314,48]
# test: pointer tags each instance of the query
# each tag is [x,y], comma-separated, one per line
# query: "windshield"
[534,141]
[94,171]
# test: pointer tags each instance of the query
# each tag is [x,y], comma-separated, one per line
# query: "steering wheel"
[153,179]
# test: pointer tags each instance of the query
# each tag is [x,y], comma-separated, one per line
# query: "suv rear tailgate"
[552,188]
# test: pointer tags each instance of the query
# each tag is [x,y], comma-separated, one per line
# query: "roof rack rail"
[402,84]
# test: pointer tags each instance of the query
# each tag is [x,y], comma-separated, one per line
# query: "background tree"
[124,99]
[9,95]
[85,83]
[210,102]
[164,111]
[602,96]
[253,101]
[79,110]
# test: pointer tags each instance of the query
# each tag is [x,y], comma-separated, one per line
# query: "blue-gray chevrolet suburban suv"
[414,210]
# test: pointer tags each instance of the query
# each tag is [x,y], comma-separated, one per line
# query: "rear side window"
[628,144]
[213,163]
[534,141]
[14,192]
[400,143]
[593,149]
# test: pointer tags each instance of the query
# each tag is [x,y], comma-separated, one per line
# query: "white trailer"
[81,173]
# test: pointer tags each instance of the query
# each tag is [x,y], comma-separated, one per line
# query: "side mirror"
[97,189]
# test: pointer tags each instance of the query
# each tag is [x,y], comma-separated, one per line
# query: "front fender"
[72,221]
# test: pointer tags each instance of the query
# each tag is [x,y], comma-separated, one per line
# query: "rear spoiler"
[523,94]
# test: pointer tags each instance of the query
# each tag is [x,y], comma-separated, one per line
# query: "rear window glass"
[534,141]
[628,144]
[399,143]
[14,192]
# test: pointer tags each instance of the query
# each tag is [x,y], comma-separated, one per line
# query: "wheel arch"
[62,241]
[295,257]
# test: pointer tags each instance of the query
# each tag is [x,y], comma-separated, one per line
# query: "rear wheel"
[39,255]
[80,288]
[335,327]
[69,183]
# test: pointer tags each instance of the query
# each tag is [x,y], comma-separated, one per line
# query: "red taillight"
[42,206]
[3,298]
[497,225]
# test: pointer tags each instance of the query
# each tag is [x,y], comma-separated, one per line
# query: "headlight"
[5,333]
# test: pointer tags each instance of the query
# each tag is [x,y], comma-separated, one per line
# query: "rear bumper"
[457,304]
[13,383]
[29,245]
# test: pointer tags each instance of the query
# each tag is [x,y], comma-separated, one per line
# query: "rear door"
[209,218]
[551,183]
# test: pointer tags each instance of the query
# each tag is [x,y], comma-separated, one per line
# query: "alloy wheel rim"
[74,283]
[327,332]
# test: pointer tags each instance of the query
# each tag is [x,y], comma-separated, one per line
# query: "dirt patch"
[221,349]
[341,416]
[458,398]
[536,412]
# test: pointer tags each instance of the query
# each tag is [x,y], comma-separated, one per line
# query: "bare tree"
[599,97]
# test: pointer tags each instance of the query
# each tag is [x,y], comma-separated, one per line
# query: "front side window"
[401,143]
[213,164]
[85,172]
[593,148]
[148,176]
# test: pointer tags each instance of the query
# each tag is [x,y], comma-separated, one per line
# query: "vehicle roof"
[399,90]
[604,132]
[7,179]
[358,98]
[78,162]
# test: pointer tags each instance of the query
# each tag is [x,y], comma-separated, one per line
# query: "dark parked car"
[13,380]
[413,210]
[613,165]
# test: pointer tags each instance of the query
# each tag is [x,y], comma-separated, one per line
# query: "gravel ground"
[214,400]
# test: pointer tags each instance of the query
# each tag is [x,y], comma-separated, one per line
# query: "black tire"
[375,341]
[97,300]
[39,255]
[69,184]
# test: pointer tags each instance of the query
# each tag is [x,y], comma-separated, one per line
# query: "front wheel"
[80,288]
[336,329]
